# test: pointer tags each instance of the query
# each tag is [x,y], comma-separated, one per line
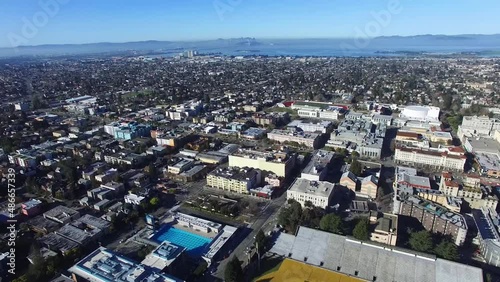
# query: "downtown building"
[309,139]
[279,163]
[319,193]
[488,224]
[408,188]
[234,179]
[452,158]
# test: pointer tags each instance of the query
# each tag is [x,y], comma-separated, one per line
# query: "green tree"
[143,252]
[308,204]
[233,271]
[152,171]
[154,201]
[290,216]
[261,241]
[356,167]
[447,250]
[421,241]
[36,102]
[331,223]
[454,121]
[362,230]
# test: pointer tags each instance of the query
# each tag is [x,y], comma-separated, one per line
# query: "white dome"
[421,113]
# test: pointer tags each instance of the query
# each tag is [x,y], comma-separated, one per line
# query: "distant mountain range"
[424,43]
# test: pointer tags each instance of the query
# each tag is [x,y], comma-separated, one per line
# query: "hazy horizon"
[257,38]
[49,22]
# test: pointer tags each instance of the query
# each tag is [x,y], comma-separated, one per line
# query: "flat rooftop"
[269,156]
[301,123]
[234,173]
[484,145]
[105,265]
[442,212]
[60,213]
[182,163]
[76,234]
[32,203]
[316,188]
[164,255]
[92,221]
[320,160]
[305,135]
[193,171]
[485,225]
[56,242]
[414,181]
[369,261]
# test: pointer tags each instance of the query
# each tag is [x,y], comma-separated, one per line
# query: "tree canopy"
[331,223]
[421,241]
[290,216]
[233,271]
[261,241]
[447,250]
[362,230]
[154,201]
[356,167]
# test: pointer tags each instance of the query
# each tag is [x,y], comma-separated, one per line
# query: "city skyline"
[72,22]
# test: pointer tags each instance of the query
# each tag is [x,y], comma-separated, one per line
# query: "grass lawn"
[209,215]
[134,94]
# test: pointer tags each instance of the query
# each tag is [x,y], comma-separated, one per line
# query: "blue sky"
[85,21]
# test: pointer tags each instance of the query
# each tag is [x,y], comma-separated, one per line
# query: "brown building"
[435,219]
[349,180]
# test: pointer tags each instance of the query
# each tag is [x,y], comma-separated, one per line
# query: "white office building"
[319,193]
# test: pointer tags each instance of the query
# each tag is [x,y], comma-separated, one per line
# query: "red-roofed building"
[430,158]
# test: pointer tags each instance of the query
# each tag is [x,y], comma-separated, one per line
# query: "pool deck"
[171,221]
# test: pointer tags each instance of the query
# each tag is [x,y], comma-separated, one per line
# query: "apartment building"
[407,183]
[278,162]
[488,223]
[270,118]
[435,219]
[468,188]
[127,130]
[234,179]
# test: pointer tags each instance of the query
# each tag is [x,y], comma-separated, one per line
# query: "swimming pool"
[195,245]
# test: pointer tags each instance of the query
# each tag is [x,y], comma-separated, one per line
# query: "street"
[265,221]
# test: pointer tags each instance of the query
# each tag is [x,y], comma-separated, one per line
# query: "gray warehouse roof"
[370,261]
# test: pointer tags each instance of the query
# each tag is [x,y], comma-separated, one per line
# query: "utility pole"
[258,254]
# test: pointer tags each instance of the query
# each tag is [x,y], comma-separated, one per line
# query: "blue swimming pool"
[195,245]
